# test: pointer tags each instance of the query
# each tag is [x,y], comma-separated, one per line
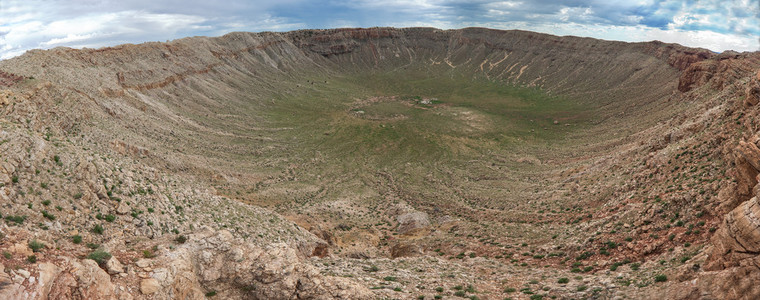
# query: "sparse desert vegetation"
[379,163]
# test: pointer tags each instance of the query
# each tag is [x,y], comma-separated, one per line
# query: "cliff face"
[561,64]
[165,146]
[724,69]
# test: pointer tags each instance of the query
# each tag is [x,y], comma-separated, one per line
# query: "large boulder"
[149,286]
[406,248]
[753,92]
[91,281]
[410,221]
[113,266]
[733,264]
[215,260]
[738,239]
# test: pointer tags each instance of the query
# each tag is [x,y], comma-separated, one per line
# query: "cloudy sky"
[717,25]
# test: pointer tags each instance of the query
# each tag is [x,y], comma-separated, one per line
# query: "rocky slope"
[139,171]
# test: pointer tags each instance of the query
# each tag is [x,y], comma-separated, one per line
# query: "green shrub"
[93,245]
[15,219]
[48,215]
[14,179]
[635,266]
[581,288]
[563,280]
[584,255]
[36,245]
[510,290]
[31,259]
[181,239]
[77,239]
[99,256]
[660,278]
[211,294]
[46,202]
[98,229]
[110,218]
[614,266]
[7,255]
[389,278]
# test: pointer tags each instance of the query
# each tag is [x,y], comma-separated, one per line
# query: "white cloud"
[396,4]
[502,5]
[714,24]
[575,13]
[699,39]
[68,39]
[342,24]
[91,29]
[702,38]
[33,24]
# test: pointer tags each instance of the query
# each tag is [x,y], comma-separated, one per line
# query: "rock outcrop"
[753,91]
[210,261]
[218,262]
[411,221]
[733,265]
[723,69]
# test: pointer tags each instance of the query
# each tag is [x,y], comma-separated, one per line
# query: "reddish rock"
[406,249]
[719,71]
[753,92]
